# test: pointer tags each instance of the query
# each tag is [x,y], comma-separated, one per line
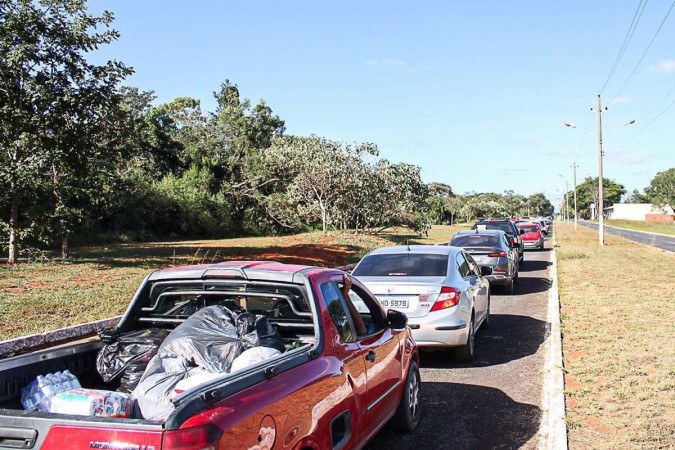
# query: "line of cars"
[445,290]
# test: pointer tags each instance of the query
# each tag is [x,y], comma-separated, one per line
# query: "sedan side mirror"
[485,270]
[521,231]
[397,320]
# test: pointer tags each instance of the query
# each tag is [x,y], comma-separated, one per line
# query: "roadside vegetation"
[98,282]
[617,322]
[652,227]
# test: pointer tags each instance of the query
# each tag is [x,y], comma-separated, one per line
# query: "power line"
[585,135]
[645,52]
[650,123]
[626,40]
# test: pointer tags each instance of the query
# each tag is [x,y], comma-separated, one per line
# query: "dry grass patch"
[618,312]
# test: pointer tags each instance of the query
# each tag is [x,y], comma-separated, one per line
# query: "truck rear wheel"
[408,413]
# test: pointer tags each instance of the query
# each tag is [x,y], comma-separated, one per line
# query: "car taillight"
[195,438]
[448,298]
[497,254]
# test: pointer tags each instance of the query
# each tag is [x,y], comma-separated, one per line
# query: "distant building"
[639,211]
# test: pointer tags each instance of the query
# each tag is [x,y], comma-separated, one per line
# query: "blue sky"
[474,92]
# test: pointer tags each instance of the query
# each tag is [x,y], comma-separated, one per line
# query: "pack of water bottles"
[39,393]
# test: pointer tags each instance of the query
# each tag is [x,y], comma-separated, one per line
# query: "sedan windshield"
[403,265]
[529,228]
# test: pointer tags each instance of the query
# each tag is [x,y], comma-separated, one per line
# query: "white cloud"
[665,66]
[623,100]
[392,63]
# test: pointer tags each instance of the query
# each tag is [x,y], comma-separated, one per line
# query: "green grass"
[99,281]
[617,315]
[652,227]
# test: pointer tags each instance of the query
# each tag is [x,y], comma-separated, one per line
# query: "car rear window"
[505,227]
[403,265]
[475,240]
[529,228]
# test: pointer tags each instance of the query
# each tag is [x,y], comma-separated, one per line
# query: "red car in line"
[532,235]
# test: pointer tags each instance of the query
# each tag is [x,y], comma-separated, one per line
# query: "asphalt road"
[657,240]
[494,402]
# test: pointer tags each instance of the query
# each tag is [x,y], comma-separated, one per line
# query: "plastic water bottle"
[72,381]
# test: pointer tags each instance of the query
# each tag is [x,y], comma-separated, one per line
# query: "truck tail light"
[195,438]
[448,298]
[496,254]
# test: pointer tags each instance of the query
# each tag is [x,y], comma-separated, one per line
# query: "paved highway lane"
[656,240]
[495,401]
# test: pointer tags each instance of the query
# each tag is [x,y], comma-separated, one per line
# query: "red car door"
[383,356]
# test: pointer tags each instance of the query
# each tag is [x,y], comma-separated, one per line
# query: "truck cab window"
[338,311]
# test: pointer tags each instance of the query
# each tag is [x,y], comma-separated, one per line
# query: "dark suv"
[507,227]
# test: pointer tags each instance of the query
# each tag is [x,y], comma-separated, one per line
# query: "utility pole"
[567,202]
[601,202]
[574,167]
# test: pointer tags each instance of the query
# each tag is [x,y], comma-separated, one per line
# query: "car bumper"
[533,244]
[440,330]
[498,279]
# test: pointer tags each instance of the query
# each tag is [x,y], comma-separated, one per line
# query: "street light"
[601,203]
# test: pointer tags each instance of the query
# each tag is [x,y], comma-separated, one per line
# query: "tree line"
[84,157]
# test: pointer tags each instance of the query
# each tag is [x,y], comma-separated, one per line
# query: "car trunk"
[534,236]
[480,254]
[410,295]
[34,429]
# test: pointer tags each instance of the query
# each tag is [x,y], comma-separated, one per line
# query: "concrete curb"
[553,427]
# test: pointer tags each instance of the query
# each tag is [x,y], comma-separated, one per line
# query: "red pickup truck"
[331,388]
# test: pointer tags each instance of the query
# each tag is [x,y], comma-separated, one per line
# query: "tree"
[52,103]
[239,136]
[661,190]
[587,194]
[637,197]
[539,205]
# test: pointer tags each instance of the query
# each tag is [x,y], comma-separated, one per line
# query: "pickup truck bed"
[314,395]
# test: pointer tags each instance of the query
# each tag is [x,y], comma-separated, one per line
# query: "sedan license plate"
[387,302]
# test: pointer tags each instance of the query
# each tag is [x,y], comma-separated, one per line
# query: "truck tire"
[464,354]
[407,415]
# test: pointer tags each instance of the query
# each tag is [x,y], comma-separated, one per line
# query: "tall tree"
[661,190]
[240,134]
[52,101]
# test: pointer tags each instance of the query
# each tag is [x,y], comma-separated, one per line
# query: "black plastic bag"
[127,355]
[268,335]
[211,338]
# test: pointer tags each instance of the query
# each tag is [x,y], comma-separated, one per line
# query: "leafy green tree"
[661,190]
[239,135]
[637,197]
[53,104]
[539,205]
[587,194]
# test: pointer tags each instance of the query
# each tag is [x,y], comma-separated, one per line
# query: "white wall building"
[634,211]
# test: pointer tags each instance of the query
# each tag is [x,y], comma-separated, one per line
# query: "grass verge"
[617,323]
[652,227]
